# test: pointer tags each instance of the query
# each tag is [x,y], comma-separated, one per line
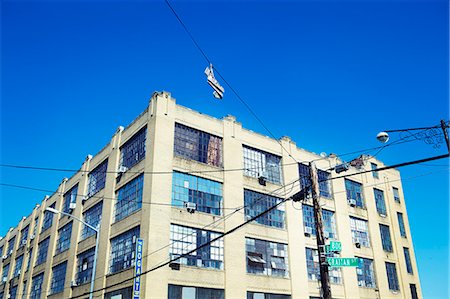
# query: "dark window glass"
[58,278]
[366,273]
[85,263]
[93,216]
[129,198]
[42,251]
[187,292]
[70,197]
[48,219]
[354,193]
[386,238]
[36,286]
[408,260]
[328,221]
[256,202]
[97,178]
[64,235]
[391,272]
[401,224]
[323,177]
[123,249]
[380,202]
[133,151]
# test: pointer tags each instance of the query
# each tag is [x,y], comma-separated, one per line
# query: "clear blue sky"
[329,74]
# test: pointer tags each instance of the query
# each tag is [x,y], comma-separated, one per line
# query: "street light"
[97,231]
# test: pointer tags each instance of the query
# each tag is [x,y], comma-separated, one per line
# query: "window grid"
[313,267]
[30,254]
[267,258]
[13,292]
[129,198]
[206,194]
[85,263]
[42,251]
[70,197]
[360,231]
[97,178]
[24,290]
[64,234]
[184,239]
[36,286]
[386,238]
[48,219]
[123,250]
[184,292]
[374,167]
[18,266]
[24,235]
[409,268]
[58,278]
[197,145]
[380,202]
[255,203]
[328,220]
[354,192]
[11,244]
[366,274]
[259,163]
[391,272]
[396,194]
[36,222]
[93,216]
[133,151]
[401,224]
[5,272]
[323,177]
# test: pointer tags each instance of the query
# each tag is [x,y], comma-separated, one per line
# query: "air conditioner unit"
[262,180]
[32,236]
[326,235]
[4,257]
[308,231]
[122,169]
[24,242]
[73,283]
[10,252]
[357,244]
[352,202]
[18,273]
[4,279]
[72,205]
[84,199]
[8,296]
[190,207]
[383,215]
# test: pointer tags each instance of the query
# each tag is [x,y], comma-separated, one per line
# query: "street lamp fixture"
[97,231]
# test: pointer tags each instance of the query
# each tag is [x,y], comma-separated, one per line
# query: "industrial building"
[175,179]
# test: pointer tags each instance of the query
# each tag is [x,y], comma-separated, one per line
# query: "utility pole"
[324,275]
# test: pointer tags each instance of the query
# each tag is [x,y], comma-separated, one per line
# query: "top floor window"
[323,177]
[354,193]
[36,221]
[206,194]
[129,198]
[255,203]
[11,244]
[267,258]
[48,219]
[396,194]
[133,151]
[70,197]
[379,202]
[374,167]
[258,163]
[97,178]
[24,235]
[197,145]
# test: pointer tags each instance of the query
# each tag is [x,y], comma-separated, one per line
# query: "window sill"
[118,272]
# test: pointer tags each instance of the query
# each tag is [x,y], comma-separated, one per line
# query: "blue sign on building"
[138,269]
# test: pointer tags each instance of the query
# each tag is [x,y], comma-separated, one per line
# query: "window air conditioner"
[32,236]
[83,199]
[308,231]
[122,169]
[358,244]
[18,273]
[24,242]
[383,215]
[262,180]
[4,257]
[8,296]
[72,205]
[10,252]
[190,207]
[73,283]
[326,235]
[4,279]
[352,202]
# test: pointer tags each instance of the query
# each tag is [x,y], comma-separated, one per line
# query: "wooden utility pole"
[324,275]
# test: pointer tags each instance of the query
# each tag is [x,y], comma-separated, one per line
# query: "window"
[24,290]
[30,254]
[36,286]
[93,216]
[266,258]
[254,295]
[18,266]
[36,221]
[13,292]
[58,278]
[366,273]
[256,202]
[184,239]
[413,289]
[64,234]
[85,263]
[129,198]
[391,272]
[70,197]
[5,272]
[206,194]
[354,193]
[97,178]
[133,151]
[42,251]
[386,238]
[123,250]
[401,224]
[409,268]
[374,168]
[126,293]
[197,145]
[11,244]
[328,221]
[313,268]
[396,194]
[185,292]
[48,219]
[379,202]
[324,180]
[24,236]
[258,163]
[360,232]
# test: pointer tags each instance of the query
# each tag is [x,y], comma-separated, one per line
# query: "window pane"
[360,231]
[324,180]
[267,258]
[64,235]
[85,263]
[313,268]
[129,198]
[354,193]
[122,250]
[255,203]
[328,221]
[58,278]
[93,216]
[401,224]
[133,151]
[69,197]
[366,274]
[386,238]
[42,251]
[391,272]
[258,163]
[380,202]
[48,219]
[408,260]
[97,178]
[36,286]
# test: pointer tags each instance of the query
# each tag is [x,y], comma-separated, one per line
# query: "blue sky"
[329,74]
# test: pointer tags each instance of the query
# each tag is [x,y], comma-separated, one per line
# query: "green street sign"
[334,246]
[343,261]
